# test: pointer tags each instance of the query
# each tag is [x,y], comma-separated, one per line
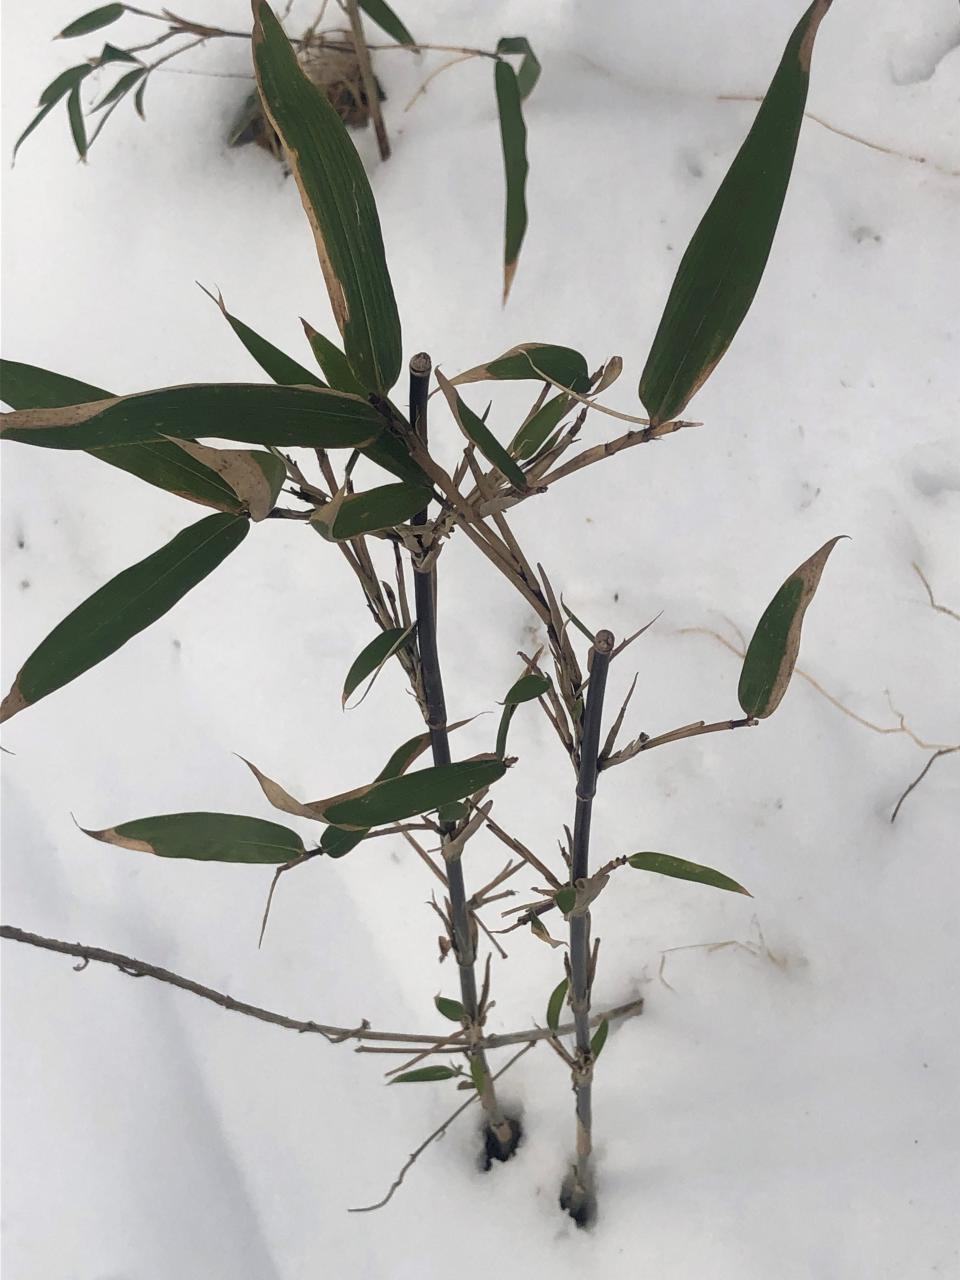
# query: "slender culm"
[501,1134]
[578,1196]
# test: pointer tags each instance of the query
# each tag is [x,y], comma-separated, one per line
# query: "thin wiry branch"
[944,751]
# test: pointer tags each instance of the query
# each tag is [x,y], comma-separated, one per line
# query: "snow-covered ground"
[788,1105]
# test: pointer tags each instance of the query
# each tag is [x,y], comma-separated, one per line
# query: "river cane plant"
[363,477]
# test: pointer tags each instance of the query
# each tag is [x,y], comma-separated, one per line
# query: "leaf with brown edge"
[349,515]
[250,412]
[723,265]
[513,139]
[276,364]
[530,361]
[772,653]
[254,476]
[372,659]
[339,204]
[206,837]
[663,864]
[478,433]
[122,608]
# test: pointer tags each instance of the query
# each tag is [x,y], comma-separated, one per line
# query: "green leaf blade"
[452,1010]
[529,686]
[555,1004]
[416,793]
[370,511]
[513,139]
[385,18]
[276,364]
[664,864]
[371,659]
[773,650]
[339,203]
[125,606]
[206,837]
[599,1039]
[529,72]
[722,267]
[478,433]
[91,21]
[529,362]
[425,1075]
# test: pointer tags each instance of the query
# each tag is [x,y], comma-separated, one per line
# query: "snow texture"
[788,1105]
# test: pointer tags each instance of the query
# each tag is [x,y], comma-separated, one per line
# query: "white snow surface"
[788,1105]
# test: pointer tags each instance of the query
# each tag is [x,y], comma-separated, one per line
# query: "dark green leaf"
[228,480]
[138,100]
[122,86]
[387,20]
[662,864]
[566,899]
[111,53]
[353,514]
[772,653]
[724,262]
[479,434]
[599,1039]
[37,120]
[77,127]
[62,84]
[126,605]
[513,136]
[528,687]
[536,430]
[275,363]
[339,203]
[555,1004]
[529,72]
[424,1075]
[249,412]
[408,797]
[371,659]
[207,837]
[92,21]
[477,1074]
[529,362]
[335,365]
[581,627]
[453,812]
[451,1009]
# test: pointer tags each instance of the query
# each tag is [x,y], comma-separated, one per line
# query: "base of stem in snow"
[500,1143]
[579,1198]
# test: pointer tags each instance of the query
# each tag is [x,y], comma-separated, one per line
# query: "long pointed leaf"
[351,515]
[338,201]
[206,837]
[476,431]
[513,138]
[387,20]
[724,262]
[92,21]
[249,412]
[530,361]
[276,364]
[125,606]
[415,793]
[663,864]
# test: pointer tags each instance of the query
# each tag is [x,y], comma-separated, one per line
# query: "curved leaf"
[122,86]
[352,514]
[529,686]
[206,837]
[249,412]
[125,606]
[724,262]
[425,1075]
[78,128]
[387,20]
[476,431]
[394,799]
[529,72]
[599,1039]
[513,138]
[338,201]
[335,365]
[276,364]
[555,1004]
[371,660]
[772,653]
[450,1009]
[662,864]
[92,21]
[530,361]
[537,429]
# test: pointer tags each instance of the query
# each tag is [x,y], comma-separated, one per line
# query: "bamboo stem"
[368,78]
[501,1134]
[578,1196]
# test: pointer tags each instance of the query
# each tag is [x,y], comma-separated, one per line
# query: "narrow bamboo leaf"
[662,864]
[387,20]
[530,686]
[530,361]
[477,431]
[724,262]
[414,794]
[335,365]
[92,21]
[451,1009]
[37,120]
[581,627]
[62,84]
[111,53]
[555,1004]
[371,660]
[276,364]
[529,72]
[138,100]
[537,429]
[566,900]
[125,606]
[349,515]
[772,653]
[425,1075]
[206,837]
[122,86]
[249,412]
[226,479]
[513,137]
[338,201]
[599,1039]
[77,126]
[476,1075]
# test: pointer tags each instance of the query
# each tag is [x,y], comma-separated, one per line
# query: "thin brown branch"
[944,751]
[940,608]
[368,79]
